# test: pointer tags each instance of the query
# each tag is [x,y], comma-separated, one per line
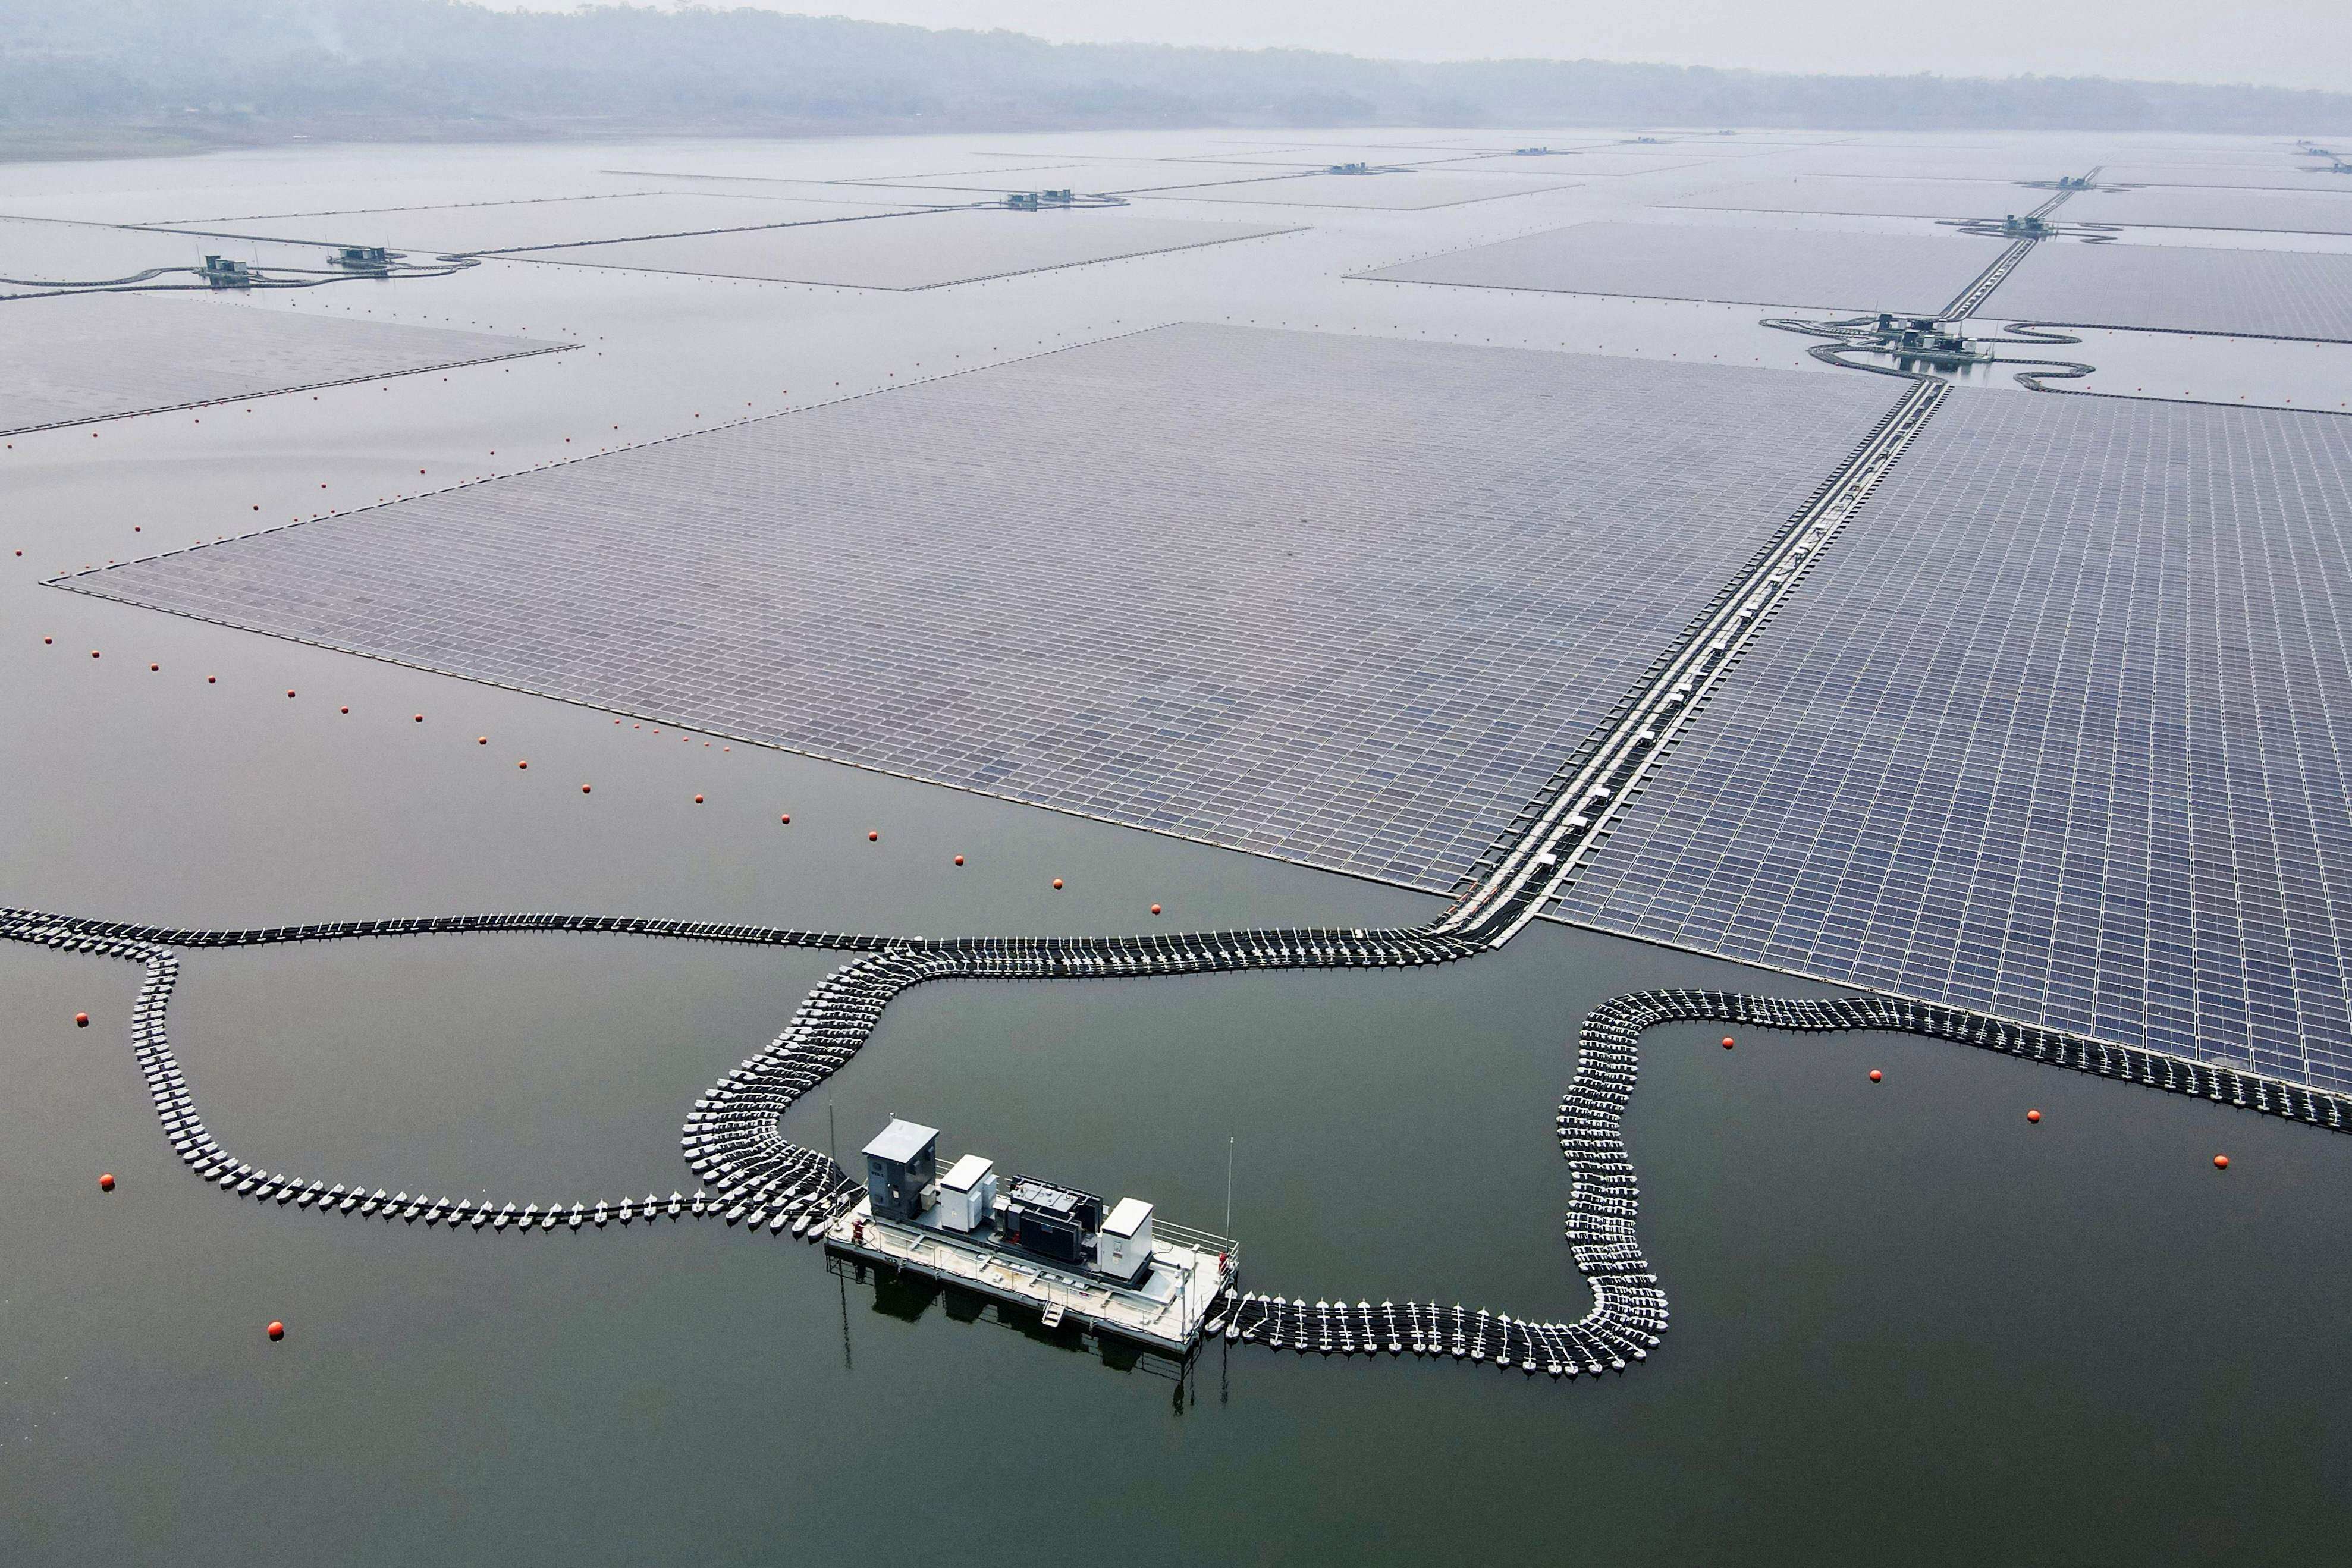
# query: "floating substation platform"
[1116,1269]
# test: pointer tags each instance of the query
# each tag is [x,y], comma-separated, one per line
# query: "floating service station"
[1113,1268]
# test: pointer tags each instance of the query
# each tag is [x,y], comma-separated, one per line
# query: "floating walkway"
[753,1177]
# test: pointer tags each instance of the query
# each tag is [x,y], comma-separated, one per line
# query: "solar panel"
[1922,198]
[1341,600]
[2325,210]
[924,250]
[103,356]
[1408,190]
[2181,288]
[1825,269]
[2058,729]
[482,227]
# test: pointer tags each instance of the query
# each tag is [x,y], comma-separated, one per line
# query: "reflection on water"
[907,1297]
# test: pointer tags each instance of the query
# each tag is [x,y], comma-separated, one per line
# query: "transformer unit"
[1056,1222]
[968,1195]
[222,272]
[1124,1248]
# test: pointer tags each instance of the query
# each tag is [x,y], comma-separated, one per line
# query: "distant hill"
[94,75]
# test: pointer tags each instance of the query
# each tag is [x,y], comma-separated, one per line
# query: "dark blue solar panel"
[1343,599]
[2059,728]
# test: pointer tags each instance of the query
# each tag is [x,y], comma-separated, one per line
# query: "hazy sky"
[2291,43]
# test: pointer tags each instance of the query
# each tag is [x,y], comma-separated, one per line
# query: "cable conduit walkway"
[753,1175]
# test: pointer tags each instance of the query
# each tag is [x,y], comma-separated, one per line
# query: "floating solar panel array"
[1105,177]
[2046,160]
[2181,288]
[488,227]
[2273,174]
[102,356]
[922,250]
[1823,268]
[1341,599]
[1869,197]
[2327,212]
[2061,730]
[1405,189]
[38,254]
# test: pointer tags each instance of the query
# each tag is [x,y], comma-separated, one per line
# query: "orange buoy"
[345,708]
[1057,882]
[697,799]
[959,860]
[873,838]
[420,718]
[583,788]
[481,740]
[2221,1162]
[786,818]
[290,691]
[1155,909]
[154,666]
[1874,1075]
[2033,1115]
[212,680]
[276,1329]
[106,1181]
[1727,1043]
[522,762]
[81,1021]
[93,653]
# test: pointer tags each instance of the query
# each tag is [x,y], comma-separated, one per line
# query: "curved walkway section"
[753,1175]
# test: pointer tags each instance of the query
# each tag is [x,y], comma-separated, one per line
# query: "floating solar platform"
[1871,198]
[1310,160]
[1102,178]
[1816,268]
[41,253]
[2325,212]
[1600,162]
[926,250]
[1565,159]
[486,228]
[1405,191]
[2057,730]
[1339,600]
[2287,174]
[1996,164]
[77,357]
[2181,288]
